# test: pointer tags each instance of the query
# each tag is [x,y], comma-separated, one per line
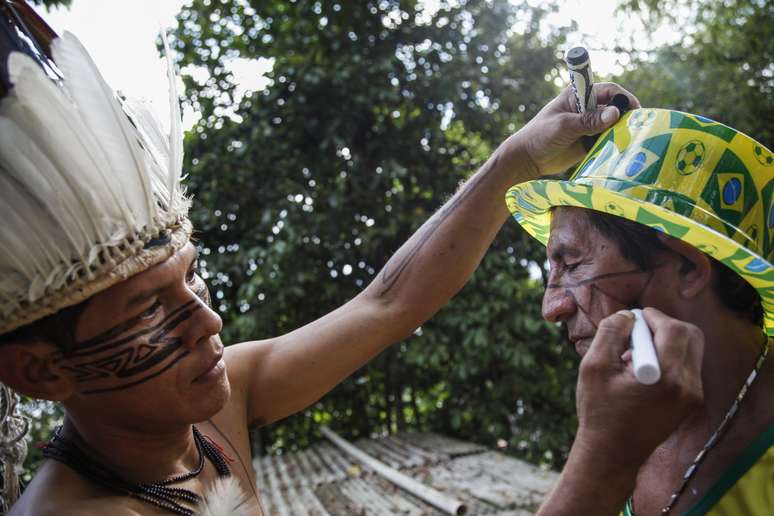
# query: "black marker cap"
[577,56]
[620,101]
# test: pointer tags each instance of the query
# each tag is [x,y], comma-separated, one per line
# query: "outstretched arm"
[280,376]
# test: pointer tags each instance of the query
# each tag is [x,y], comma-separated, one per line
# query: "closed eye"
[572,266]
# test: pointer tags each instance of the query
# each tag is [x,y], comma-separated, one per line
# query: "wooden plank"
[496,479]
[440,444]
[432,496]
[313,505]
[326,475]
[402,458]
[290,492]
[323,481]
[364,496]
[428,456]
[329,456]
[276,492]
[415,456]
[373,449]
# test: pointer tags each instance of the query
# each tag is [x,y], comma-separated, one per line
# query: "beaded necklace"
[159,493]
[716,435]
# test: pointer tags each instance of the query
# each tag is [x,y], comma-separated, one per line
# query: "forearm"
[442,254]
[420,278]
[591,483]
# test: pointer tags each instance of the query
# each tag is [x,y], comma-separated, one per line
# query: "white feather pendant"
[103,115]
[226,498]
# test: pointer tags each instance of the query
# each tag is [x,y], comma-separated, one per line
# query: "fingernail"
[627,313]
[610,114]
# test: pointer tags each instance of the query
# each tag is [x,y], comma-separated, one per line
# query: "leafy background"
[374,112]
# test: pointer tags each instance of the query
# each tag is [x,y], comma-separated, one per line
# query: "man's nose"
[204,322]
[558,304]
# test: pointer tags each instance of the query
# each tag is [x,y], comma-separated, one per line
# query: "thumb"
[612,337]
[594,122]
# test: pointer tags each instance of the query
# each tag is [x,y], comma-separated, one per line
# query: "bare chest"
[663,474]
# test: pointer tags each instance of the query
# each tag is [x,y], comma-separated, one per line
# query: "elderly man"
[101,307]
[671,212]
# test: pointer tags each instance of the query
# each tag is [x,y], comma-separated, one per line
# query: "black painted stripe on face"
[593,284]
[131,359]
[143,380]
[102,341]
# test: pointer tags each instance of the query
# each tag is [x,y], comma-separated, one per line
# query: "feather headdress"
[89,185]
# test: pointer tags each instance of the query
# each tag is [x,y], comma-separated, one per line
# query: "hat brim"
[531,203]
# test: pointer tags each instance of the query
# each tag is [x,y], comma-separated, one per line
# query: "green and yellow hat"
[688,176]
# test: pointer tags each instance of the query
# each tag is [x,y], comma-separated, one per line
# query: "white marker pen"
[644,359]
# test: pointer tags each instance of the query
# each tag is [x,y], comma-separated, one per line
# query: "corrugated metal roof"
[323,480]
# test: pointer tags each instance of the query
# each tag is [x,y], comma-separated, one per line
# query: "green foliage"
[52,4]
[723,68]
[44,417]
[352,146]
[374,113]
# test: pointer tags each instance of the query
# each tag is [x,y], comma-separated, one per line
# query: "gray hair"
[13,446]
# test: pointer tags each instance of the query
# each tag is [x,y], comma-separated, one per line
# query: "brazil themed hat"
[691,177]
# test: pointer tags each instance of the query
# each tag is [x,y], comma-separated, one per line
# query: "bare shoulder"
[236,353]
[84,508]
[243,361]
[58,490]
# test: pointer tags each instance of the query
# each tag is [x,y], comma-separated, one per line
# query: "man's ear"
[28,369]
[695,272]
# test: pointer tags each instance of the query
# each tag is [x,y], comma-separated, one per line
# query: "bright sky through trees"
[120,34]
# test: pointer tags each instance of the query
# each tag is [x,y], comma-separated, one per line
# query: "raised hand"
[551,139]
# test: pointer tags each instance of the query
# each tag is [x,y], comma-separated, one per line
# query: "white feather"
[77,177]
[226,498]
[24,163]
[175,127]
[45,114]
[104,117]
[157,145]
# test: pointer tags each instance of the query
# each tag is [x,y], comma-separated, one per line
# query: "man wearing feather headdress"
[101,307]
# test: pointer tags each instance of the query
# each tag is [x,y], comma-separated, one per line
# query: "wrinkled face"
[589,279]
[148,349]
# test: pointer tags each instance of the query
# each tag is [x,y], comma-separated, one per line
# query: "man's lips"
[216,362]
[581,343]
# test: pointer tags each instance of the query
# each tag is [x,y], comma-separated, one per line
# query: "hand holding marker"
[582,81]
[644,359]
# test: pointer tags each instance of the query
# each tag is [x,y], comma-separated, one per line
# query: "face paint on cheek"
[111,364]
[590,293]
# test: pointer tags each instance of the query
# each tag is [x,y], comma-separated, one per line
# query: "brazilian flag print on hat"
[688,176]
